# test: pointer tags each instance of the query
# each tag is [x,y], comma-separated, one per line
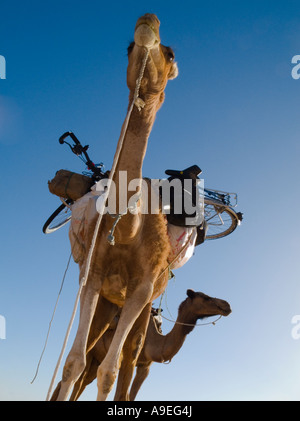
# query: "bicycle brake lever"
[78,149]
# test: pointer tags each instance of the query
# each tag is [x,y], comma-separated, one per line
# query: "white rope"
[140,104]
[65,341]
[191,324]
[50,323]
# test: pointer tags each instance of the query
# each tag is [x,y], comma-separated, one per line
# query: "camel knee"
[74,366]
[105,381]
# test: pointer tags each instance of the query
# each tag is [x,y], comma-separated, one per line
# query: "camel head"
[160,65]
[205,306]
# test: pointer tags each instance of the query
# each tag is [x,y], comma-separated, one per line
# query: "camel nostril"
[145,36]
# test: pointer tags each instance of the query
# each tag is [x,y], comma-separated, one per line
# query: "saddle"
[191,194]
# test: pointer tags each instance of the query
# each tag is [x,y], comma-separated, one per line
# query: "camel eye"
[170,54]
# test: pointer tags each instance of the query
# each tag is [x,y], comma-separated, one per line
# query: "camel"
[157,347]
[131,273]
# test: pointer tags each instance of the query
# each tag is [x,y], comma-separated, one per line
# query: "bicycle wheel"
[221,219]
[60,217]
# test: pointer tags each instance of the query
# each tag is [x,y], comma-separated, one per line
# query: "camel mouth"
[225,310]
[147,31]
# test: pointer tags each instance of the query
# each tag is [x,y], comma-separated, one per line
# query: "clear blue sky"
[233,110]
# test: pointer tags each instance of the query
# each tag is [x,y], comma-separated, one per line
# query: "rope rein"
[139,104]
[191,324]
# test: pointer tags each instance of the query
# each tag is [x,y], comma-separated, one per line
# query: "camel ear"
[190,293]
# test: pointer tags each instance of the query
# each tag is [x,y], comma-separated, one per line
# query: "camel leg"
[89,374]
[97,329]
[56,392]
[134,305]
[131,350]
[142,372]
[104,314]
[76,359]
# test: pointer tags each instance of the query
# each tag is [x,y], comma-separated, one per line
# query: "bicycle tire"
[221,219]
[60,217]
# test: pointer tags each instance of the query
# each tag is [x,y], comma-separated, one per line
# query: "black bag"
[181,195]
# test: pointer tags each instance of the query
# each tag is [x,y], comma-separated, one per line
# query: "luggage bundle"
[70,185]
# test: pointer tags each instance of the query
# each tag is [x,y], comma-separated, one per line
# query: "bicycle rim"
[221,219]
[60,217]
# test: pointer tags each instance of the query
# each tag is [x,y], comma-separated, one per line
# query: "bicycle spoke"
[221,220]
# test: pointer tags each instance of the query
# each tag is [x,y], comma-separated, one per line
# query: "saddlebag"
[70,185]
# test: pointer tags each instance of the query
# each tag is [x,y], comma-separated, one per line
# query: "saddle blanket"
[182,241]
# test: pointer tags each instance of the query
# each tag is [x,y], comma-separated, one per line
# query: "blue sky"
[233,110]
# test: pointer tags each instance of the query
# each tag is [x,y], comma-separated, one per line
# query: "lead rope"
[50,323]
[139,104]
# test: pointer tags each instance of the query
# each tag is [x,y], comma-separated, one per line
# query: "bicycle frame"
[80,150]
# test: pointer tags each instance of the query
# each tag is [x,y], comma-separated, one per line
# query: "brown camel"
[157,347]
[130,274]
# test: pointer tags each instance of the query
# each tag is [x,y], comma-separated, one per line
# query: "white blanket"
[182,240]
[83,211]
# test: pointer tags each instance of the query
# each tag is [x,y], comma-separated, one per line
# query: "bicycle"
[219,214]
[62,215]
[220,217]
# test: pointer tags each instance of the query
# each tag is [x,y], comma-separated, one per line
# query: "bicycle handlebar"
[78,149]
[65,135]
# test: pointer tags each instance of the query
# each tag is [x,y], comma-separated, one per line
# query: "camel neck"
[136,140]
[129,166]
[174,340]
